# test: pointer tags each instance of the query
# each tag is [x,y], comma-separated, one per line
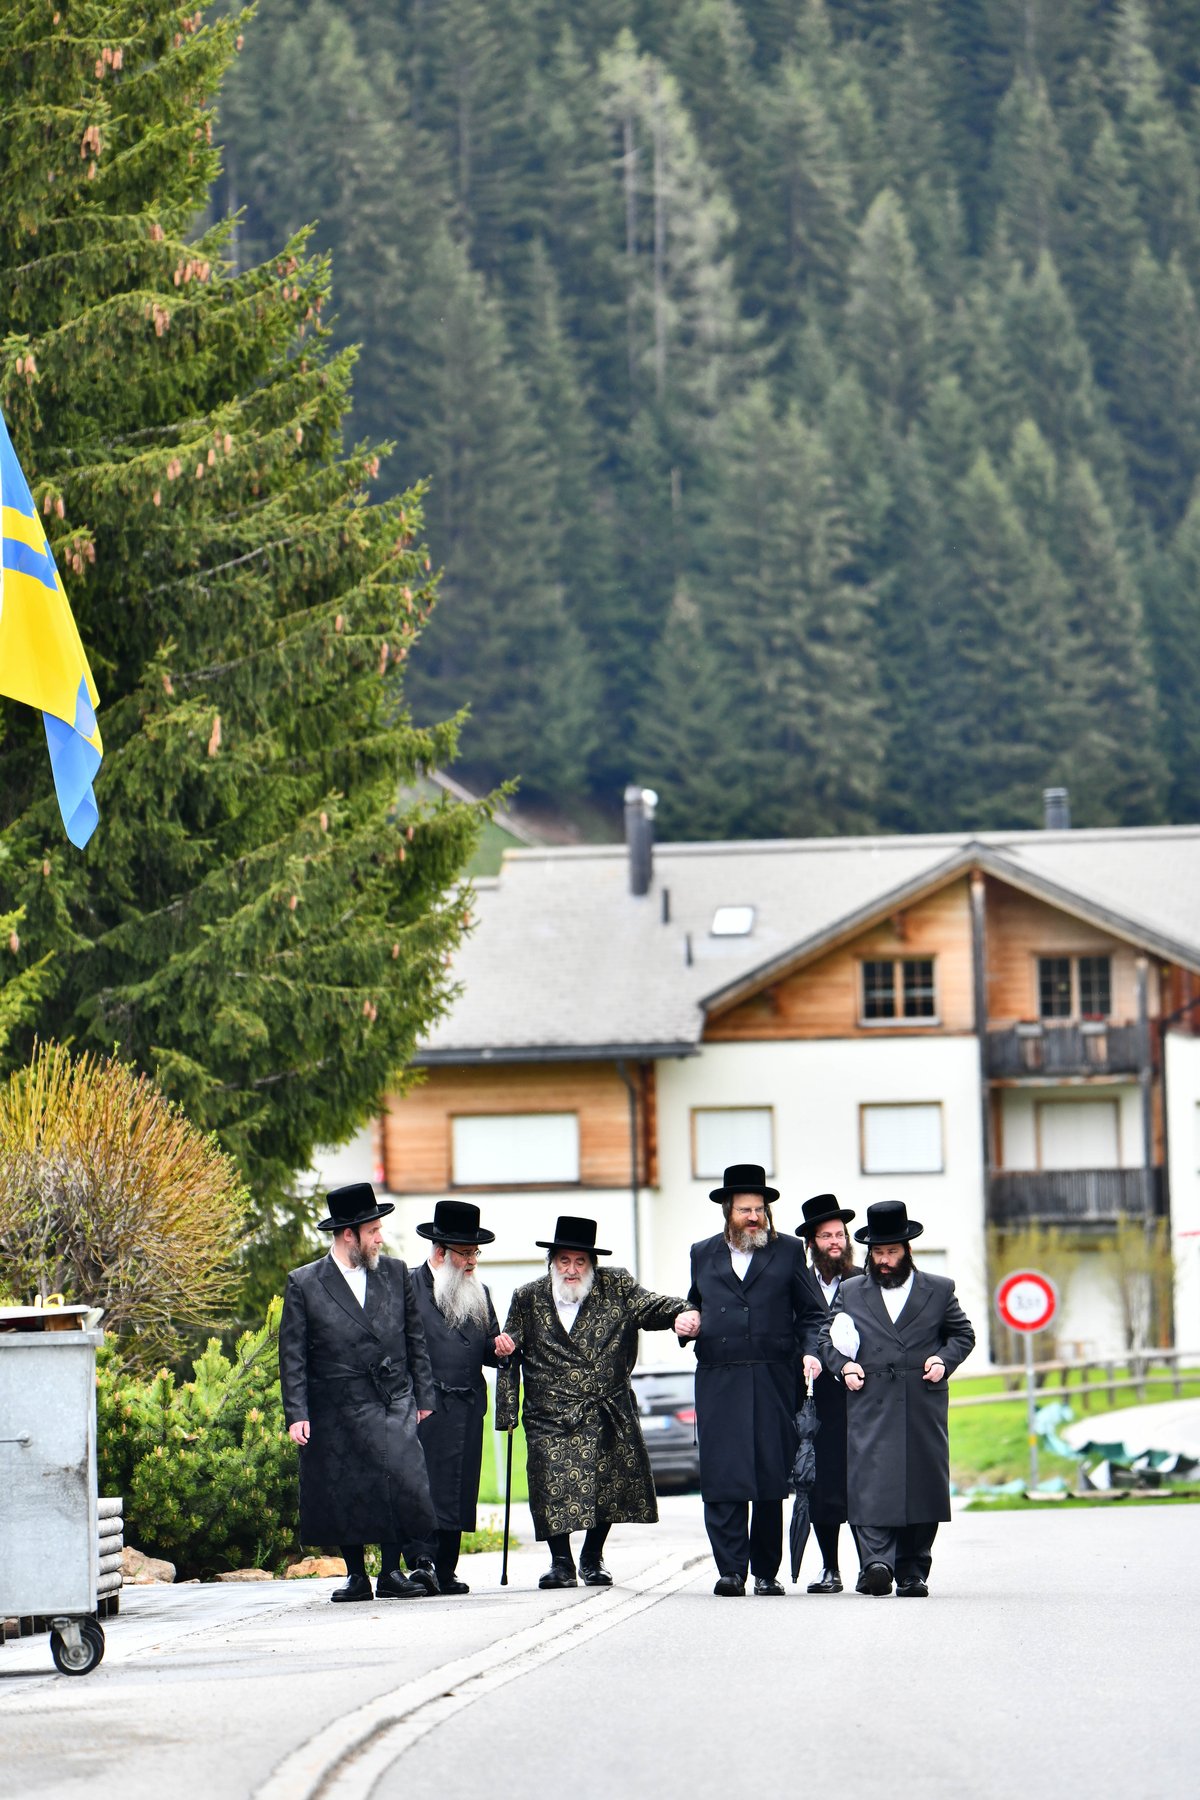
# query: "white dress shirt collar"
[894,1298]
[356,1279]
[741,1261]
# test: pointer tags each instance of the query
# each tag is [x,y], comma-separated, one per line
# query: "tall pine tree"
[255,920]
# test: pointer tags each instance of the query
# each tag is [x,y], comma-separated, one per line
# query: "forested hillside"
[810,392]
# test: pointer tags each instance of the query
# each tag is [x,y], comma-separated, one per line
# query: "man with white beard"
[463,1336]
[575,1337]
[757,1312]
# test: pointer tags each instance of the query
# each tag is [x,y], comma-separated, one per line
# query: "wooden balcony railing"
[1067,1049]
[1074,1196]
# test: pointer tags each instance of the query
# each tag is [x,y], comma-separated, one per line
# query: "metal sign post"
[1027,1301]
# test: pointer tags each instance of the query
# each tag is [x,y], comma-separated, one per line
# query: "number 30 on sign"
[1027,1300]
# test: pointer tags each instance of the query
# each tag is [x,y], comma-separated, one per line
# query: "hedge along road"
[1053,1658]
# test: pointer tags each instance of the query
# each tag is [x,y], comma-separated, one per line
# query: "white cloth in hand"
[843,1334]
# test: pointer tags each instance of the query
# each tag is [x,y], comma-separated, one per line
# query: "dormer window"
[732,921]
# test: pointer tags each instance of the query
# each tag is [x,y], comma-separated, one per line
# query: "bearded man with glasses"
[824,1231]
[463,1337]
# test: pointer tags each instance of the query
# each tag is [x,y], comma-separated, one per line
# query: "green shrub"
[206,1468]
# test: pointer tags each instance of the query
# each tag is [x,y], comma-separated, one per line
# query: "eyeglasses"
[467,1256]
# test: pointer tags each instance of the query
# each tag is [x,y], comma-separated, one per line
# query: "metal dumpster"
[49,1537]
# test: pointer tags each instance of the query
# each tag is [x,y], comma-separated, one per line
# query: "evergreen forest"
[808,390]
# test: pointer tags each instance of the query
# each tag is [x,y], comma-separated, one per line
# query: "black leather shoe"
[730,1585]
[424,1576]
[830,1583]
[912,1589]
[876,1578]
[560,1574]
[448,1583]
[356,1588]
[767,1584]
[396,1586]
[595,1575]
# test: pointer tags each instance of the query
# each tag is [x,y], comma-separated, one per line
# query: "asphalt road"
[1053,1659]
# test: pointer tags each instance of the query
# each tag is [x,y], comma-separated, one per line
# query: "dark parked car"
[666,1403]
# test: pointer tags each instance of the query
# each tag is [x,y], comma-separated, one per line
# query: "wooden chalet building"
[995,1027]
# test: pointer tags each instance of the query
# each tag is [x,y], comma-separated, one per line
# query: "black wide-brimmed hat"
[353,1205]
[821,1210]
[888,1223]
[744,1178]
[455,1222]
[573,1234]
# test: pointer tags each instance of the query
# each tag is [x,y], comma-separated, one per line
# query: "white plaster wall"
[816,1089]
[337,1165]
[1088,1322]
[1183,1173]
[1018,1144]
[519,1216]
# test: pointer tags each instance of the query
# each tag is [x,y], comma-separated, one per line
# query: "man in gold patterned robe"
[576,1337]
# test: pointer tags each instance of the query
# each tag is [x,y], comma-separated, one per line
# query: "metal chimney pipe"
[640,803]
[1057,805]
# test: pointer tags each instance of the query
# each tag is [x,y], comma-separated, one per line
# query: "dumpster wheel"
[82,1657]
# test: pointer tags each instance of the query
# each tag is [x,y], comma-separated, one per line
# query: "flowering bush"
[205,1466]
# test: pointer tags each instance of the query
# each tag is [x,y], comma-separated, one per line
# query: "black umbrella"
[804,1473]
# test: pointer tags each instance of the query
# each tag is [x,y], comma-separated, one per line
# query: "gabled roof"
[564,962]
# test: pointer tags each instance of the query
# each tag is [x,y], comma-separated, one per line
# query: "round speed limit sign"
[1027,1300]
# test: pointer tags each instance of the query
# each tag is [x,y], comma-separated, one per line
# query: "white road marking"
[346,1759]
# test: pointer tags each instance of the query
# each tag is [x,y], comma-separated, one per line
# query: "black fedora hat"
[455,1222]
[353,1205]
[573,1234]
[821,1210]
[744,1178]
[888,1223]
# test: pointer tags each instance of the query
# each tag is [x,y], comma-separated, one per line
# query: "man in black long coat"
[463,1337]
[356,1380]
[893,1338]
[757,1313]
[832,1263]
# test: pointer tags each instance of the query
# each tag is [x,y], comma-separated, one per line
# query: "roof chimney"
[640,803]
[1057,804]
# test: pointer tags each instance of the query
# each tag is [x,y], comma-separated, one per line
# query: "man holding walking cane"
[576,1340]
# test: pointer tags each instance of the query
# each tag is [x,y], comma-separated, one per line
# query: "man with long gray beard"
[575,1334]
[464,1337]
[356,1382]
[757,1313]
[894,1338]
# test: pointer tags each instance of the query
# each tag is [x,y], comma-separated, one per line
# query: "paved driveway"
[1170,1425]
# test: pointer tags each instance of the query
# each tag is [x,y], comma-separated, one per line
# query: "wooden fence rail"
[1186,1363]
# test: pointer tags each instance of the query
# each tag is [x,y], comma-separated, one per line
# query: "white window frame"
[865,1163]
[484,1165]
[700,1173]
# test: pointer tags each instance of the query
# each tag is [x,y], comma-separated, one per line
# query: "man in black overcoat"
[893,1338]
[356,1381]
[463,1337]
[757,1314]
[832,1263]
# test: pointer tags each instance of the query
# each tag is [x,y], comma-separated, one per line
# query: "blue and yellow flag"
[42,660]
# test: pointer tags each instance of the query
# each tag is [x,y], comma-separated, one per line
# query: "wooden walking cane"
[507,1510]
